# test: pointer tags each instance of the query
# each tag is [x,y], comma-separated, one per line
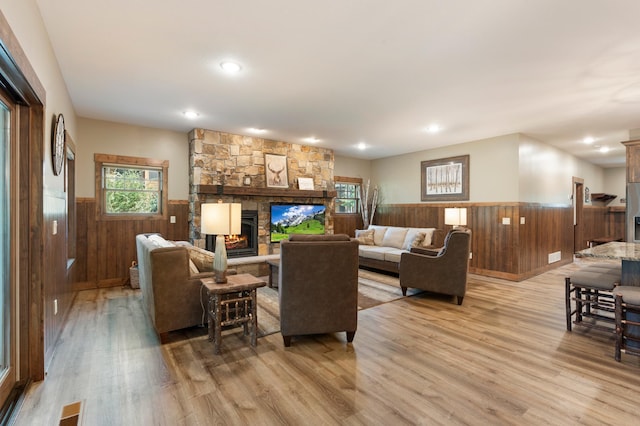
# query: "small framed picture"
[275,169]
[305,183]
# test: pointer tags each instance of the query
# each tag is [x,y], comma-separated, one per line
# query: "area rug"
[373,289]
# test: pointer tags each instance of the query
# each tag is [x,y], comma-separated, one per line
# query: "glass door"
[7,258]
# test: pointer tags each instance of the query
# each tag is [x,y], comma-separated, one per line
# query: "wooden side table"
[233,303]
[274,270]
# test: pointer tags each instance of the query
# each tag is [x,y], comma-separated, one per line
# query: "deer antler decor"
[276,174]
[276,170]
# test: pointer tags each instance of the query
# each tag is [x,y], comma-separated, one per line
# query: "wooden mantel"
[262,192]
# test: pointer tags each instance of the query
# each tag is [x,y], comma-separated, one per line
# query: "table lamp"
[220,219]
[455,216]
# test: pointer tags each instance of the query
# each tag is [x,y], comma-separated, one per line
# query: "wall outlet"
[522,220]
[54,227]
[55,306]
[506,221]
[172,219]
[555,257]
[470,255]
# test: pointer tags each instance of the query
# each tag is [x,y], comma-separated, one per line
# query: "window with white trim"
[347,197]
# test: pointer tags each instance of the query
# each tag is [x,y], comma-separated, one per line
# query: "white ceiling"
[351,71]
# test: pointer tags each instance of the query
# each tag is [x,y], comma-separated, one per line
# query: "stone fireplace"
[231,168]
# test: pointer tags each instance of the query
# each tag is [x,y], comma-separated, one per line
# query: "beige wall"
[615,182]
[24,19]
[104,137]
[352,167]
[546,173]
[502,169]
[493,163]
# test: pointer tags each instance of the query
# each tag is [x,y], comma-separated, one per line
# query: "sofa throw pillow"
[412,233]
[365,236]
[378,233]
[428,237]
[418,240]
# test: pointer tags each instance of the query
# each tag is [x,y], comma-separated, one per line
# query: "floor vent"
[71,414]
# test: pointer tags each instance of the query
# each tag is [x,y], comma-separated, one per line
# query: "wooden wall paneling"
[55,283]
[527,255]
[81,242]
[178,231]
[547,229]
[511,251]
[347,224]
[107,248]
[92,242]
[594,224]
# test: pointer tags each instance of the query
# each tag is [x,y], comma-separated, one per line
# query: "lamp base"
[220,261]
[220,277]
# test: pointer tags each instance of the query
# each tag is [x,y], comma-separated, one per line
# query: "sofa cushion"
[393,255]
[394,237]
[378,234]
[373,252]
[365,236]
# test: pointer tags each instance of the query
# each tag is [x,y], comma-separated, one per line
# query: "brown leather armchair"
[318,285]
[442,272]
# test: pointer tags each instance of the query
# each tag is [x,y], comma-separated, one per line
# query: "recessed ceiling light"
[191,114]
[256,130]
[362,146]
[588,140]
[312,139]
[230,67]
[433,128]
[604,149]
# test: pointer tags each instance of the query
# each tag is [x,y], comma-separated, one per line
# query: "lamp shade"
[221,218]
[455,216]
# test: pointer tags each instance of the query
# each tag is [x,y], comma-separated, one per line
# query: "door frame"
[23,85]
[577,196]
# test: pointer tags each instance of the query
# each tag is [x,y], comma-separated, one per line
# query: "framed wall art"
[305,183]
[275,169]
[445,179]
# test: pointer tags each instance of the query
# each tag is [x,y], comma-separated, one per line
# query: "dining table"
[627,253]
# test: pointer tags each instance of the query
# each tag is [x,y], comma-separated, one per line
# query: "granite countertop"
[613,250]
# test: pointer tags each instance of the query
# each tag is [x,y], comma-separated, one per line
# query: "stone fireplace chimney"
[232,168]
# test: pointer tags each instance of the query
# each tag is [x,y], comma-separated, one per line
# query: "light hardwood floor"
[503,357]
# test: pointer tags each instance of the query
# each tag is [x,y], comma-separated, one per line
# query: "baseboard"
[88,285]
[521,276]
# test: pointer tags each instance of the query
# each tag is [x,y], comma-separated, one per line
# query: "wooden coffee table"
[233,303]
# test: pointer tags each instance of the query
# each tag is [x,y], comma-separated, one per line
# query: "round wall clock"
[57,146]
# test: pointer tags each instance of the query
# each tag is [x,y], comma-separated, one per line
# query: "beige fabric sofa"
[384,251]
[170,284]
